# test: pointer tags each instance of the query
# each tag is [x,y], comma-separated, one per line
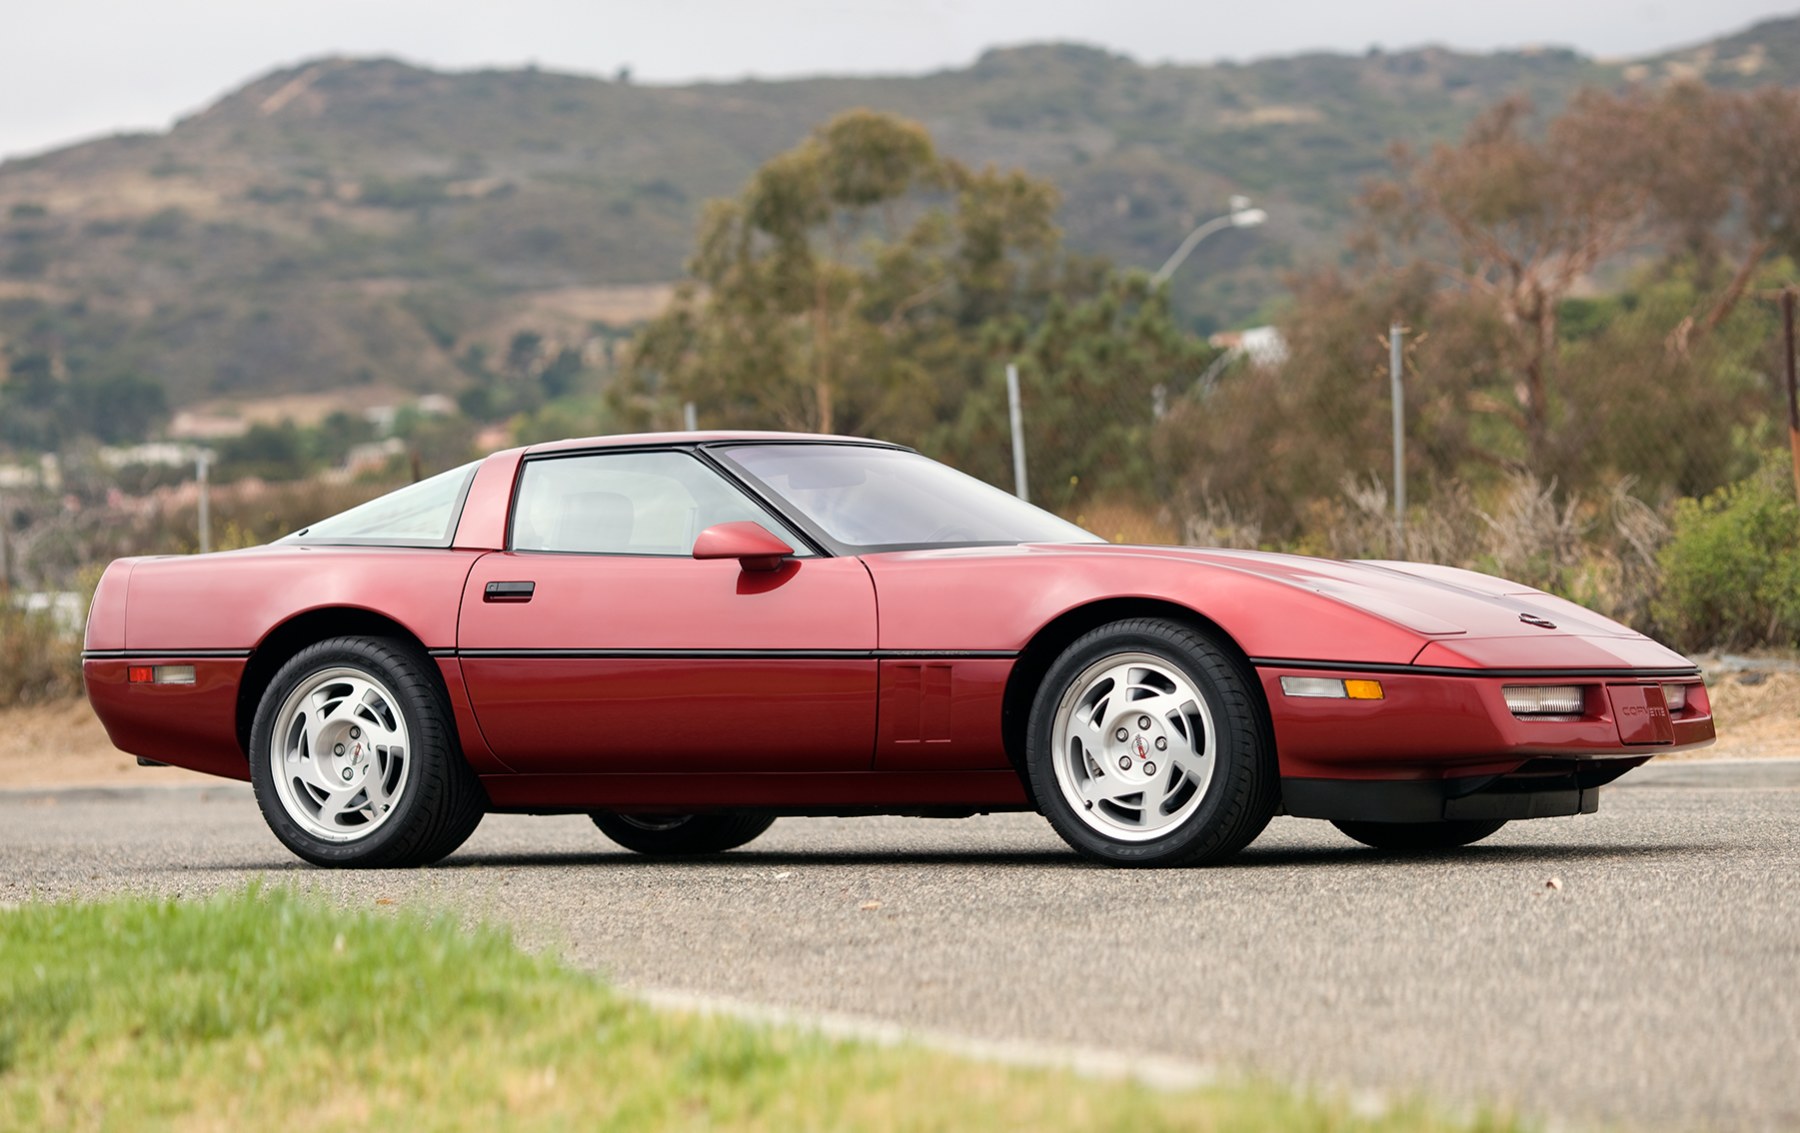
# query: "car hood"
[1436,601]
[1433,601]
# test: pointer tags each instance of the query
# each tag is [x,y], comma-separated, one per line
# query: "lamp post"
[1240,216]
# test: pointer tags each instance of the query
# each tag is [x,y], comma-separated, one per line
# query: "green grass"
[263,1009]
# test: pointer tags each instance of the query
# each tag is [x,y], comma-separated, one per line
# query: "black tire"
[1416,837]
[682,835]
[1216,818]
[437,802]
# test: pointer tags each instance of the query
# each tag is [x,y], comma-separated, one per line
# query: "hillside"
[366,222]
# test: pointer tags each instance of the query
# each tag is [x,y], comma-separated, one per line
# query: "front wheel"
[681,835]
[1148,746]
[355,759]
[1420,836]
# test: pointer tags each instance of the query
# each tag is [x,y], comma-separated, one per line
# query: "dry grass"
[303,408]
[1597,551]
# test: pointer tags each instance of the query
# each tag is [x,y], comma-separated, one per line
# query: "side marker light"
[1331,688]
[160,674]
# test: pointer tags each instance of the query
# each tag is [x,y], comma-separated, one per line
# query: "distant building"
[1263,347]
[46,474]
[158,454]
[189,425]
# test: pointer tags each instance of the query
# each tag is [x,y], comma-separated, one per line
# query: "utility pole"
[1396,364]
[1793,393]
[690,418]
[202,458]
[1018,432]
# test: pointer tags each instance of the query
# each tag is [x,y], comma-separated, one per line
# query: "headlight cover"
[1545,700]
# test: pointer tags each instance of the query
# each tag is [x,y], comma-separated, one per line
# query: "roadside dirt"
[63,745]
[1758,714]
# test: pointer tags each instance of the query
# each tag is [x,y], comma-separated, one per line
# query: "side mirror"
[749,543]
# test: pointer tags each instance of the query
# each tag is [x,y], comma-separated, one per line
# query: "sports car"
[688,635]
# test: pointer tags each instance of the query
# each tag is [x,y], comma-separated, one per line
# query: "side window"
[628,503]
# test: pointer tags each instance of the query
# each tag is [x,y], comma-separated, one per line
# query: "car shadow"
[1273,857]
[768,858]
[1251,858]
[1537,853]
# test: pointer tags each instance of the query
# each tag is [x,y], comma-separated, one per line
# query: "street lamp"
[1240,216]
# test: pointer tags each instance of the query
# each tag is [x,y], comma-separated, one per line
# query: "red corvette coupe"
[687,635]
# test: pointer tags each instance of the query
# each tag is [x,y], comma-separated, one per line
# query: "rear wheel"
[355,760]
[1420,836]
[677,835]
[1148,747]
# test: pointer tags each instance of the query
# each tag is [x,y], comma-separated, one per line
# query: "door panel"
[634,663]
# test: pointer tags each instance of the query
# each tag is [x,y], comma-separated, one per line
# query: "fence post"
[690,417]
[1396,362]
[1018,432]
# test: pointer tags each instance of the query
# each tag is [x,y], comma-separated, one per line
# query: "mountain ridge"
[351,221]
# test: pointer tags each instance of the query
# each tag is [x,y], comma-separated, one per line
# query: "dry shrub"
[39,660]
[63,540]
[1209,522]
[1120,521]
[40,655]
[1600,552]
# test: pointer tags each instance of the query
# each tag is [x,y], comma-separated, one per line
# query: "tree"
[1515,222]
[1493,252]
[813,288]
[864,283]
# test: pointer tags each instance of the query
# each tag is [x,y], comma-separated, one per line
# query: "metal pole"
[690,418]
[1240,216]
[1181,252]
[201,459]
[1787,337]
[1018,432]
[1396,361]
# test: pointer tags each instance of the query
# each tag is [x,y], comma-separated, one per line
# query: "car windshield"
[869,498]
[418,515]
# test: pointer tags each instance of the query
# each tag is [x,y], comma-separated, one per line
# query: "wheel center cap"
[1139,747]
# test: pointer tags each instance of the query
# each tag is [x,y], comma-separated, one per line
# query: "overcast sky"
[75,69]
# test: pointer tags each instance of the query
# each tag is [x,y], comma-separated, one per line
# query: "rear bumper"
[183,725]
[1443,725]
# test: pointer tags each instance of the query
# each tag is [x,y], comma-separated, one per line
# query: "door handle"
[509,592]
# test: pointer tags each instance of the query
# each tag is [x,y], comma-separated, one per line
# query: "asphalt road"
[1656,984]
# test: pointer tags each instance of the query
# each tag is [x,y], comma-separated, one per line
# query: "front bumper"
[1447,725]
